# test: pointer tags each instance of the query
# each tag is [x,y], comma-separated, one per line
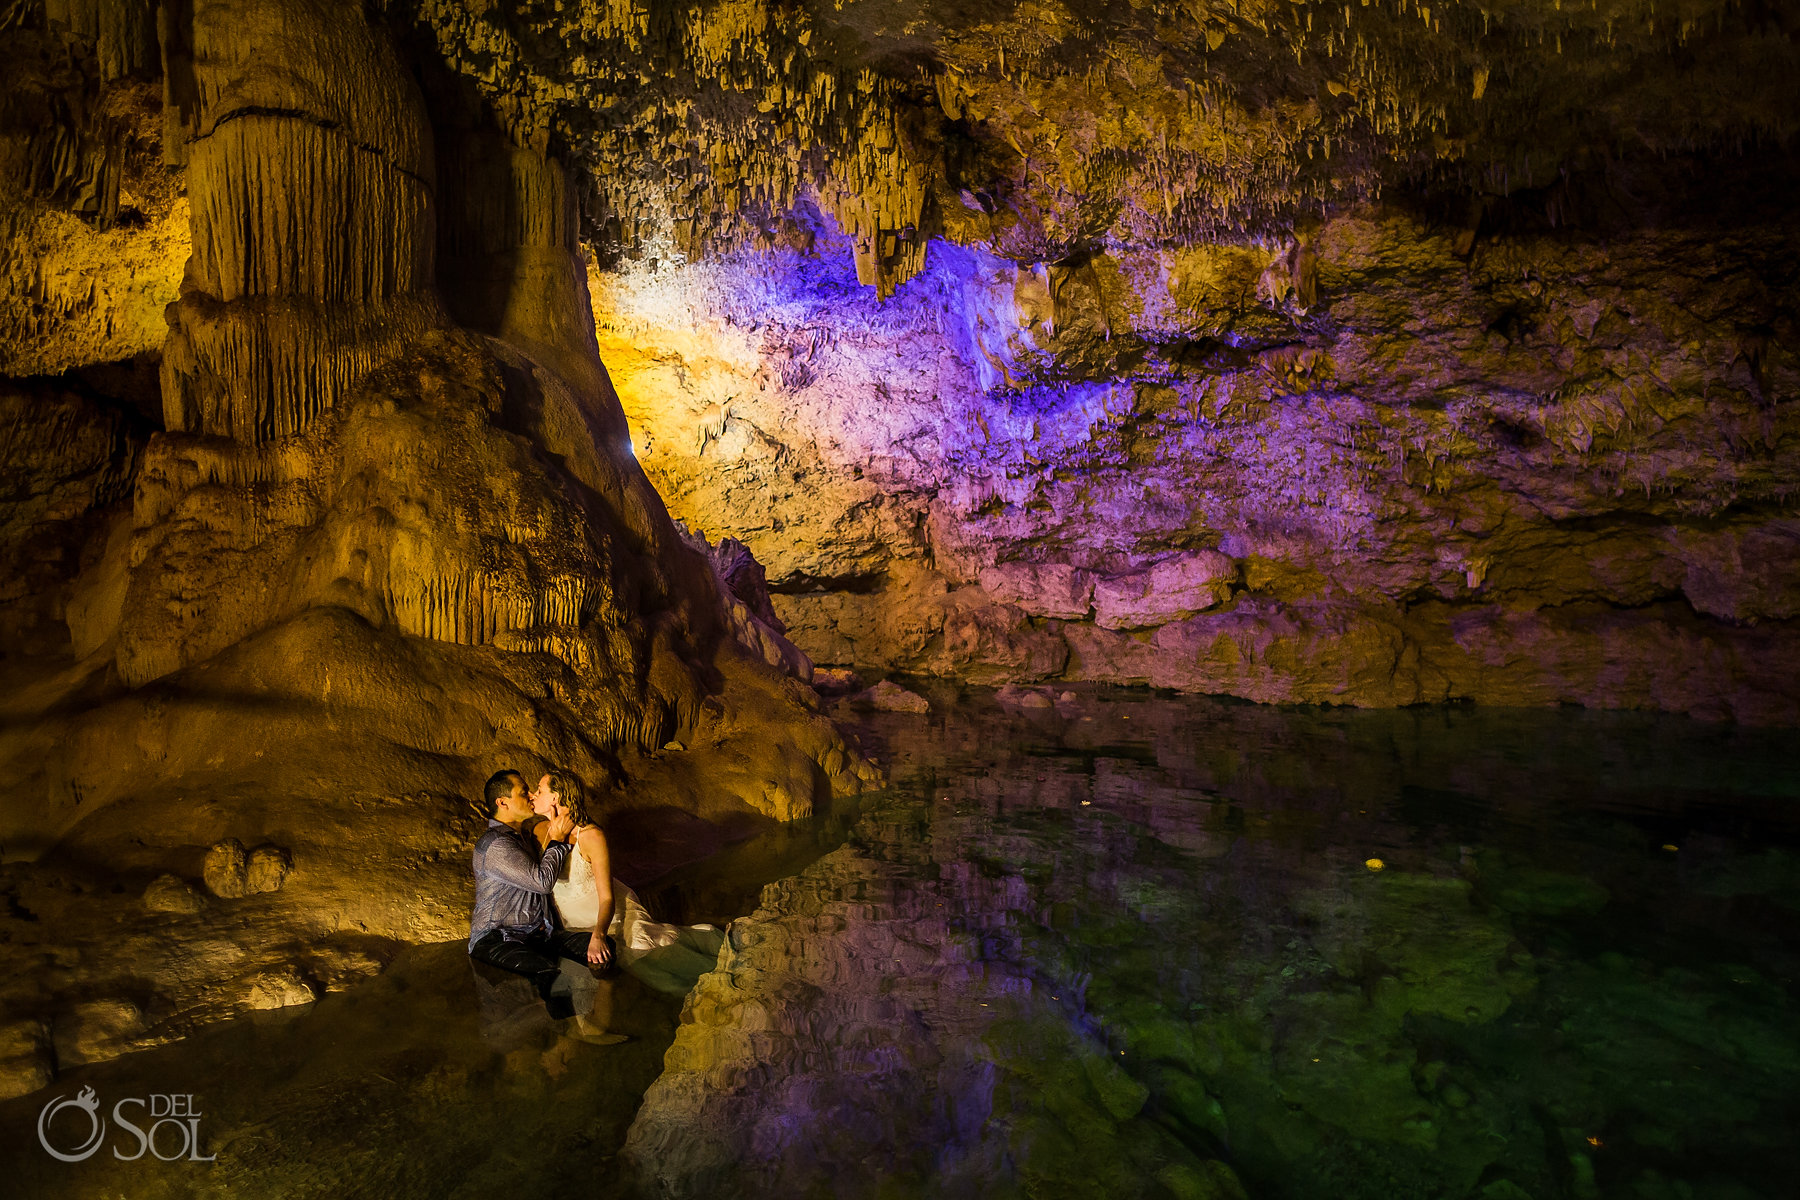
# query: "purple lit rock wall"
[1381,465]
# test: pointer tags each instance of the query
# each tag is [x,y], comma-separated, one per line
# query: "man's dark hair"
[499,786]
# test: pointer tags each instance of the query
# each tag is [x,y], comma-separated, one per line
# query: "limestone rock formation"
[70,460]
[267,869]
[888,696]
[224,869]
[25,1064]
[172,894]
[1041,127]
[94,228]
[97,1030]
[1551,470]
[1376,354]
[376,532]
[1464,334]
[279,989]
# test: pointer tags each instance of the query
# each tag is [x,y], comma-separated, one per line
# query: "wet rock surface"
[391,1087]
[322,1086]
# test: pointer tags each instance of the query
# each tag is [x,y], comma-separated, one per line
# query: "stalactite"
[264,369]
[289,209]
[474,608]
[311,209]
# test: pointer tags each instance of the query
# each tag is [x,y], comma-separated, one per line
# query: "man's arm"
[508,862]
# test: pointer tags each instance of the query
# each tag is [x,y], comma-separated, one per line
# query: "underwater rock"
[25,1063]
[1014,696]
[227,870]
[172,894]
[98,1030]
[268,867]
[858,988]
[1523,888]
[279,989]
[888,696]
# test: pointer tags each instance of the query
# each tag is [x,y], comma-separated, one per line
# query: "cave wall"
[357,528]
[1379,353]
[93,228]
[326,431]
[1446,456]
[332,435]
[1382,462]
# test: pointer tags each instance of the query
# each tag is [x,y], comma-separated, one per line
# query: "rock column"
[310,175]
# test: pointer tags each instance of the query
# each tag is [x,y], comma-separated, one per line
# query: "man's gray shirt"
[513,882]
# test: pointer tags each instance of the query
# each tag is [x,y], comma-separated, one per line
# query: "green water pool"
[1124,945]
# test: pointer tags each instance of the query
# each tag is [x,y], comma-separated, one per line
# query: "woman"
[669,958]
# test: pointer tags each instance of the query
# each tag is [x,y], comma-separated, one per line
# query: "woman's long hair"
[566,786]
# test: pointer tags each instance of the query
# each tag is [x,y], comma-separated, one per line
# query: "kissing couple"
[545,892]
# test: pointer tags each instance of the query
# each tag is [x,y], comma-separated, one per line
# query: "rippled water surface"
[1124,945]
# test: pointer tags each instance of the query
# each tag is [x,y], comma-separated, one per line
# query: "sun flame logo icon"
[87,1102]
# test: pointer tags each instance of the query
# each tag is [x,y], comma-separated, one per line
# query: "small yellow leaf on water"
[1374,864]
[1666,846]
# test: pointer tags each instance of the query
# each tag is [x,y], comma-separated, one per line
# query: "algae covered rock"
[1418,944]
[1521,888]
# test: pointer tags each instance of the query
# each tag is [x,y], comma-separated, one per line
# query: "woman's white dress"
[670,958]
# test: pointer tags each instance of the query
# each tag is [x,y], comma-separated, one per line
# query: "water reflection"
[1135,947]
[423,1082]
[442,1077]
[1123,946]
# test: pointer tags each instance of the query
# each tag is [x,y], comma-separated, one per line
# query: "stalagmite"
[366,521]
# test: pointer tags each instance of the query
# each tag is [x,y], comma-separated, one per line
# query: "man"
[514,926]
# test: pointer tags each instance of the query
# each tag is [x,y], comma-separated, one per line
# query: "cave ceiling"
[1042,129]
